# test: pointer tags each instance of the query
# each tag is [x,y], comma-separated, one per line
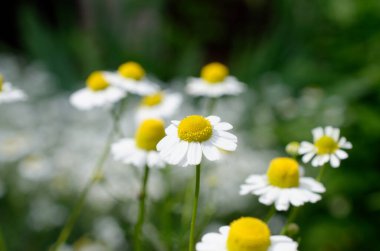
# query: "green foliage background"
[332,44]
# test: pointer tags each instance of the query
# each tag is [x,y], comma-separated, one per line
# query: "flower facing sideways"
[141,150]
[327,147]
[98,93]
[214,82]
[8,93]
[283,186]
[187,140]
[245,234]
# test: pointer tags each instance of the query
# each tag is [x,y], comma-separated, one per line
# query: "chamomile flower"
[158,105]
[214,82]
[283,186]
[141,150]
[8,93]
[187,140]
[131,77]
[327,147]
[245,234]
[98,93]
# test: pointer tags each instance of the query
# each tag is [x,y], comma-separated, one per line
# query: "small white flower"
[214,82]
[327,147]
[8,93]
[246,233]
[98,93]
[131,77]
[141,150]
[187,139]
[158,105]
[283,185]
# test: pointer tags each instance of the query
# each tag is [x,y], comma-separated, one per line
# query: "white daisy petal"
[210,151]
[317,133]
[213,119]
[223,143]
[223,126]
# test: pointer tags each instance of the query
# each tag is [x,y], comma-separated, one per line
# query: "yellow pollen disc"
[131,70]
[214,73]
[326,145]
[96,81]
[194,128]
[152,100]
[150,132]
[248,234]
[283,172]
[1,82]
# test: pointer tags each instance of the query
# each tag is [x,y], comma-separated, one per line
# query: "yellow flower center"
[326,145]
[248,234]
[283,172]
[214,73]
[1,82]
[149,133]
[96,81]
[152,100]
[131,70]
[194,128]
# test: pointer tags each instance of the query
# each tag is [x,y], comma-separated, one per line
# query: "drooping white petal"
[317,133]
[224,144]
[210,151]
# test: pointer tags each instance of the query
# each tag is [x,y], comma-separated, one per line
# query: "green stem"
[141,216]
[211,106]
[95,177]
[291,218]
[271,212]
[321,172]
[2,241]
[195,207]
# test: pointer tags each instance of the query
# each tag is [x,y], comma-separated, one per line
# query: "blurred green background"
[328,44]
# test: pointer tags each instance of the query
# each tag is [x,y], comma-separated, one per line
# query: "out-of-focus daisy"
[8,93]
[158,105]
[283,186]
[214,82]
[187,139]
[327,147]
[141,150]
[246,234]
[98,93]
[131,77]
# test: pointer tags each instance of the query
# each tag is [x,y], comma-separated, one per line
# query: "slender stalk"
[195,207]
[95,177]
[3,247]
[141,216]
[211,106]
[270,214]
[321,172]
[292,216]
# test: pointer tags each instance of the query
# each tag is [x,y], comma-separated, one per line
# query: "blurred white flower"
[214,82]
[8,93]
[131,78]
[327,147]
[161,105]
[35,167]
[246,233]
[98,93]
[108,231]
[187,140]
[283,186]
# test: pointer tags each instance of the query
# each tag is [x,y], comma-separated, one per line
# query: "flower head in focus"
[246,234]
[131,77]
[214,82]
[97,93]
[141,150]
[327,147]
[283,185]
[187,140]
[158,105]
[8,93]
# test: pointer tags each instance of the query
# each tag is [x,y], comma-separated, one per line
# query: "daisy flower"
[187,140]
[214,82]
[8,93]
[283,186]
[327,147]
[158,105]
[246,233]
[131,77]
[141,150]
[98,93]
